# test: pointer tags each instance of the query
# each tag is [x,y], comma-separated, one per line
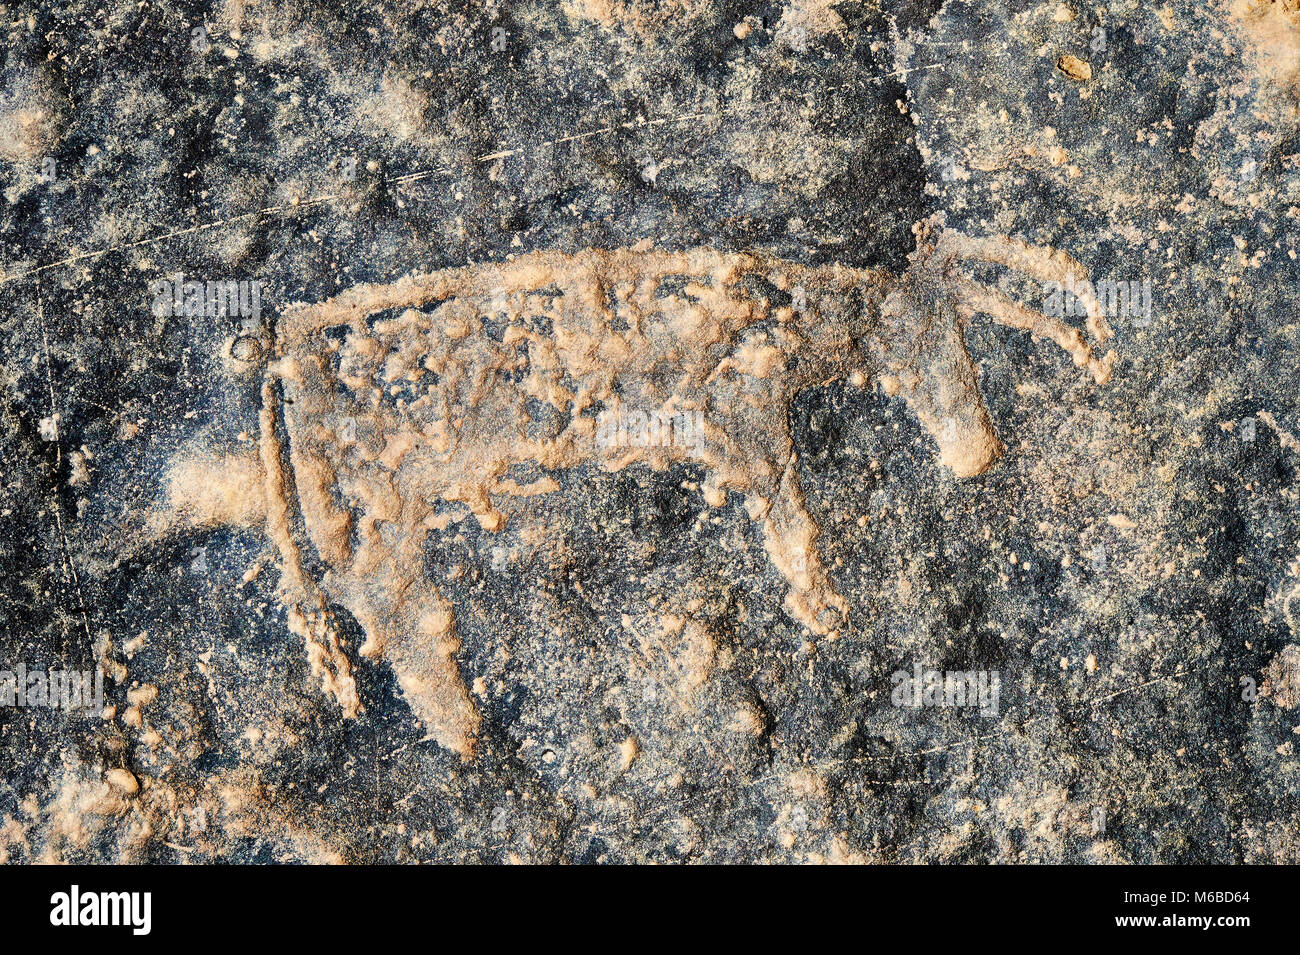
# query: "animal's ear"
[942,389]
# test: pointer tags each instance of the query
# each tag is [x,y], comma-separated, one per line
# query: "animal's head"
[924,319]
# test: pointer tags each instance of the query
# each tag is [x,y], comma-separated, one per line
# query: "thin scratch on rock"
[69,568]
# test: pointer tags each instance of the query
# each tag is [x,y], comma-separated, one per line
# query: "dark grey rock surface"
[1128,569]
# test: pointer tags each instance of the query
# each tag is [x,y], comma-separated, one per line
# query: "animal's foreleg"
[941,388]
[790,537]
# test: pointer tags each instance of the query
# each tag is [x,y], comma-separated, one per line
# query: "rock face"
[605,432]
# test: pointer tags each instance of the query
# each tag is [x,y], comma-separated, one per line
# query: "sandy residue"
[1272,28]
[804,20]
[31,120]
[85,809]
[643,17]
[210,490]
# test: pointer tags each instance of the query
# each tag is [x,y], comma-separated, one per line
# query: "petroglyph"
[391,410]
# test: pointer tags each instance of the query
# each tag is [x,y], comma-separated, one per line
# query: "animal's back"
[449,380]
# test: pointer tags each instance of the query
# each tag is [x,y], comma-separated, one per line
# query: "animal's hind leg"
[415,631]
[308,614]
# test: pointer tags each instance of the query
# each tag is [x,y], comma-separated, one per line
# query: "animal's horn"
[1038,262]
[975,298]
